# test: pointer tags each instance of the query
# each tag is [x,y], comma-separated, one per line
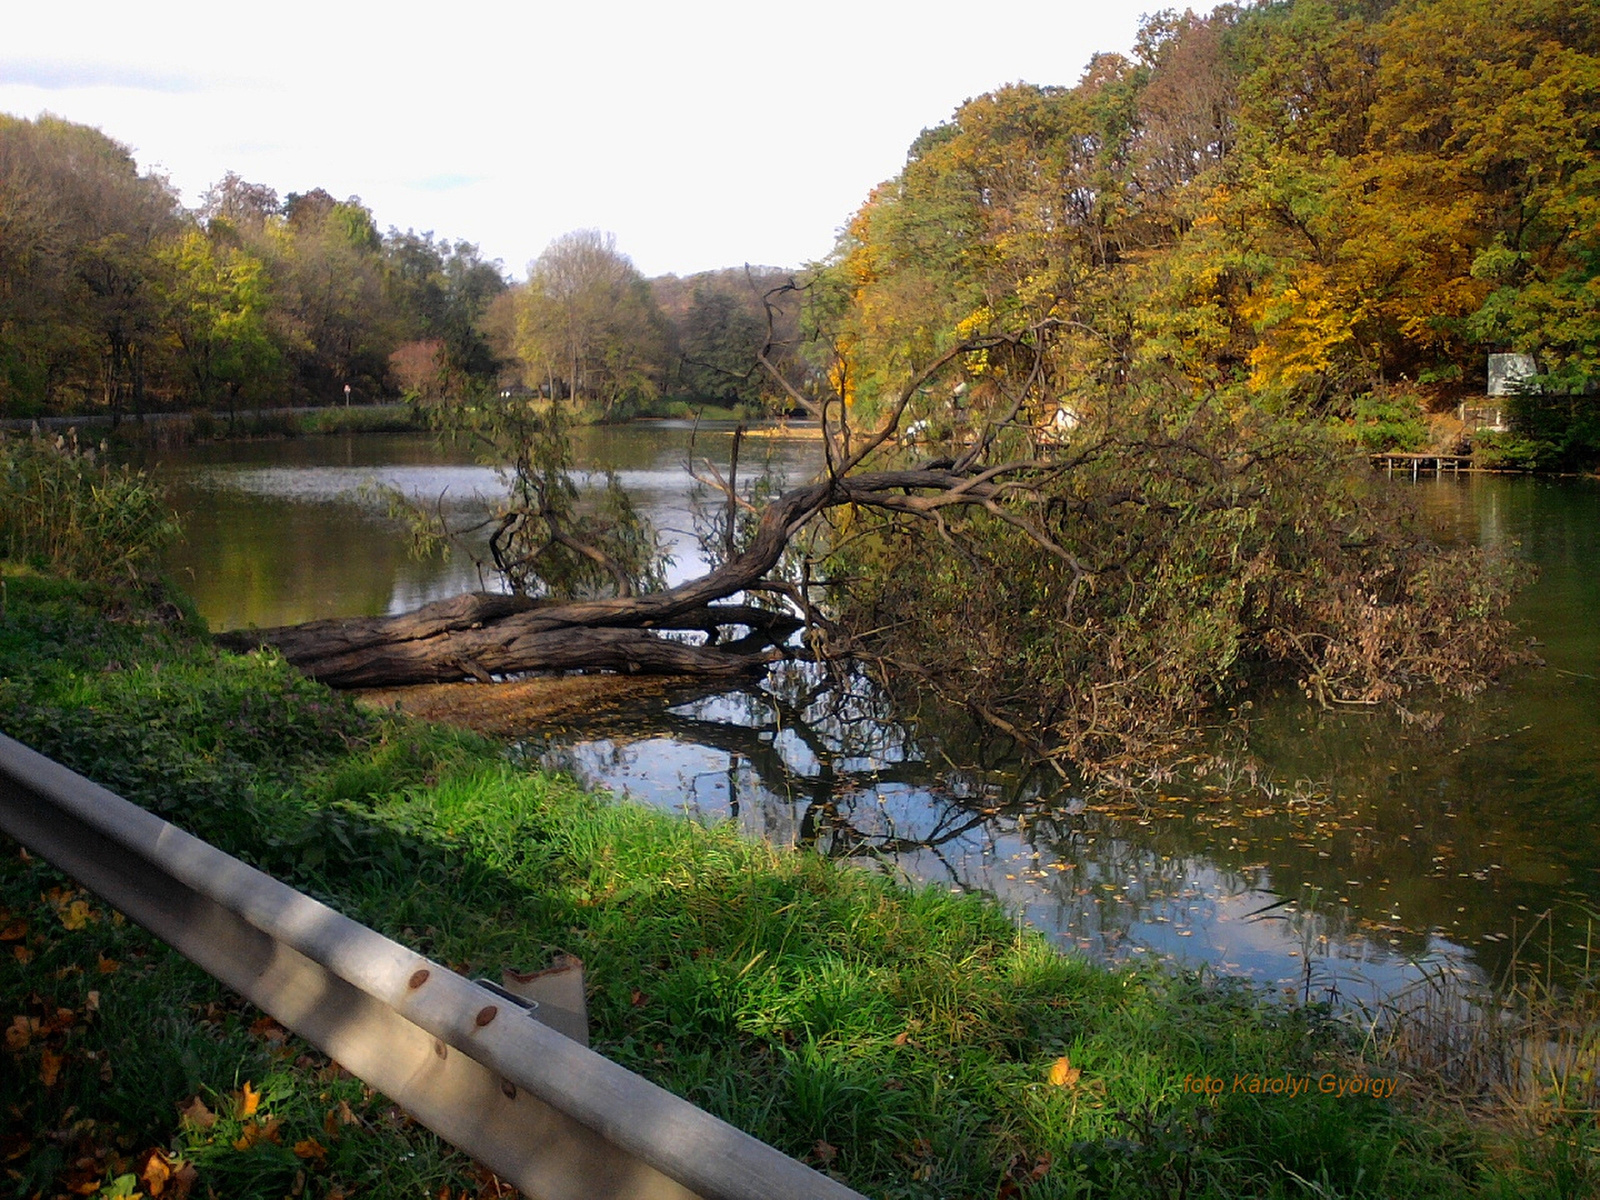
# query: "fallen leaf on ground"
[182,1182]
[196,1115]
[1063,1073]
[20,1032]
[109,966]
[310,1148]
[14,932]
[50,1065]
[257,1131]
[267,1028]
[246,1101]
[157,1170]
[75,915]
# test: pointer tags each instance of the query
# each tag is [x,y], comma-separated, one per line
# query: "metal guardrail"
[543,1112]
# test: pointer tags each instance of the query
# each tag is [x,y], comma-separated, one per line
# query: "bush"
[1387,421]
[63,510]
[1512,451]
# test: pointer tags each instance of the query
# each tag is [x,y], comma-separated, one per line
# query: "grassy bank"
[915,1043]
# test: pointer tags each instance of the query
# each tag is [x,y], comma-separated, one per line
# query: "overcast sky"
[702,133]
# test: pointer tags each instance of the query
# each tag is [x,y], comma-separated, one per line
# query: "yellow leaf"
[1063,1073]
[156,1173]
[248,1101]
[75,915]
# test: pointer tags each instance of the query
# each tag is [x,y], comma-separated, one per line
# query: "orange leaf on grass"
[157,1170]
[183,1181]
[267,1028]
[1063,1073]
[246,1101]
[196,1115]
[258,1131]
[20,1032]
[109,966]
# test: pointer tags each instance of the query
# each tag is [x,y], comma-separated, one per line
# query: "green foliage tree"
[588,328]
[81,227]
[213,296]
[720,341]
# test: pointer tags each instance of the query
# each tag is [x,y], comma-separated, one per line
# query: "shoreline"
[903,1038]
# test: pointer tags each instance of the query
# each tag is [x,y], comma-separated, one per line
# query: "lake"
[1330,854]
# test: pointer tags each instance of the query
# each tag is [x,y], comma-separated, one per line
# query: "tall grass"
[63,508]
[1523,1055]
[1526,1047]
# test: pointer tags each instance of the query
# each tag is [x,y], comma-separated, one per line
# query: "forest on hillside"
[1337,207]
[1330,207]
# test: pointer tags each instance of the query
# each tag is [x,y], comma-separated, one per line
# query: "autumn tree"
[82,225]
[588,328]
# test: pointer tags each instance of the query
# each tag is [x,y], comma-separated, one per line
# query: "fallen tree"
[1088,587]
[483,635]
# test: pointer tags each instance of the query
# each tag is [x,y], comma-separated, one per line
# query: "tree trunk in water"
[482,635]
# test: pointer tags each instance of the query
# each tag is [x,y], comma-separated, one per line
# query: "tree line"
[114,297]
[1332,207]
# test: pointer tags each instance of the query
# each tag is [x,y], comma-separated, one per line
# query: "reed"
[64,509]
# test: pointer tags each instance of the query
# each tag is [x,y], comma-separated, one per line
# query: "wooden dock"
[1437,464]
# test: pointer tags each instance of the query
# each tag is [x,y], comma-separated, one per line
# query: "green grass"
[904,1039]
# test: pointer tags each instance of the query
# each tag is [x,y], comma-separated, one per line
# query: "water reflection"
[1321,851]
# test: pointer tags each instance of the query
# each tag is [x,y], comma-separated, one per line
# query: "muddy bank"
[524,706]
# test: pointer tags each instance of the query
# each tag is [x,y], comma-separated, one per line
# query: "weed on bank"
[911,1042]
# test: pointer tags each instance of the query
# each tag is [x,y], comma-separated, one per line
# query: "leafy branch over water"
[1090,588]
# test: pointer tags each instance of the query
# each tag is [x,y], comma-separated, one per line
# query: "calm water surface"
[1357,850]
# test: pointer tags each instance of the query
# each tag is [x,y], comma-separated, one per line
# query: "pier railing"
[1436,464]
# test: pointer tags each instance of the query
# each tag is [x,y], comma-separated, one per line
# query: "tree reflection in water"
[1255,876]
